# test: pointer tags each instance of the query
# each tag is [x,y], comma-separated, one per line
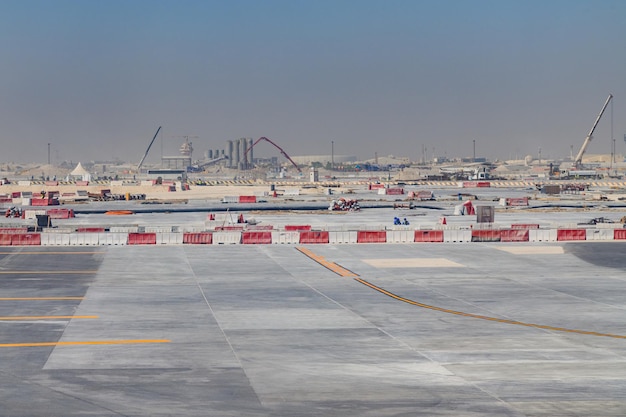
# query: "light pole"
[48,153]
[332,155]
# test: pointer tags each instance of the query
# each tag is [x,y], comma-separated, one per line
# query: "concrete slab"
[267,331]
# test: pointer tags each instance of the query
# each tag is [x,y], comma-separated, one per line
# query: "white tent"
[80,173]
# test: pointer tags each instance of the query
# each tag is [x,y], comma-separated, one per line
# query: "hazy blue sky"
[97,78]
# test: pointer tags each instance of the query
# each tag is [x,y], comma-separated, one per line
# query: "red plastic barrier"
[428,236]
[6,200]
[247,199]
[82,183]
[90,230]
[297,228]
[256,237]
[395,191]
[229,228]
[375,186]
[13,230]
[27,239]
[5,239]
[524,226]
[142,238]
[60,213]
[371,236]
[40,202]
[514,235]
[619,234]
[51,183]
[201,238]
[259,227]
[485,235]
[314,236]
[571,234]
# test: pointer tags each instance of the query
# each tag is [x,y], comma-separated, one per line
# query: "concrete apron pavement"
[321,330]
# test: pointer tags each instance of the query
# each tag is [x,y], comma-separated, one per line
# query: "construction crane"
[148,150]
[277,147]
[581,152]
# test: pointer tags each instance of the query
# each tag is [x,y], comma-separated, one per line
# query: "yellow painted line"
[40,298]
[4,318]
[481,317]
[46,272]
[339,270]
[88,342]
[49,253]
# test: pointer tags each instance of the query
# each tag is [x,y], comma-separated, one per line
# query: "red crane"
[277,147]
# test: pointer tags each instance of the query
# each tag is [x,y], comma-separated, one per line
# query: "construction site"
[308,286]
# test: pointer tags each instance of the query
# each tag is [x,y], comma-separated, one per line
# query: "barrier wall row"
[95,237]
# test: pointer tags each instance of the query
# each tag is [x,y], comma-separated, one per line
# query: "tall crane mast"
[148,150]
[579,156]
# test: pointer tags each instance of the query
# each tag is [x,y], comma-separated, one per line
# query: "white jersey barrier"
[169,238]
[84,239]
[457,236]
[600,234]
[55,239]
[113,238]
[400,236]
[542,235]
[342,236]
[226,238]
[287,237]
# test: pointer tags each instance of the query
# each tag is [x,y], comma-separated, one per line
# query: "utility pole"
[332,155]
[48,153]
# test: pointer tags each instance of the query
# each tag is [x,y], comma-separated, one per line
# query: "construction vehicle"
[581,152]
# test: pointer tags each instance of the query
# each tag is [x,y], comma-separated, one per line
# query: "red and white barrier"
[256,237]
[201,238]
[570,234]
[428,236]
[314,237]
[514,235]
[486,235]
[371,236]
[142,238]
